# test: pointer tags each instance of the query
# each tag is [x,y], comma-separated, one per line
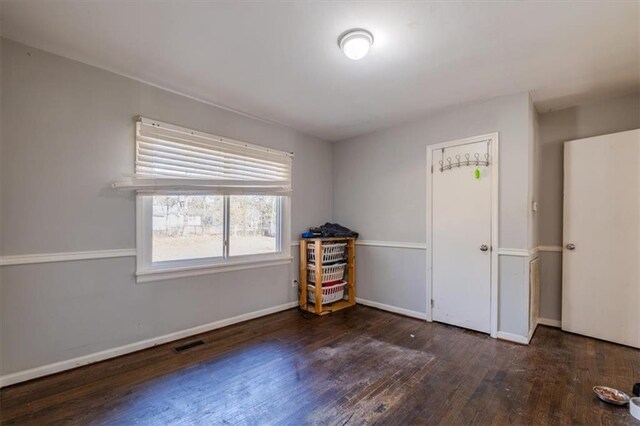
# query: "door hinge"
[432,169]
[432,303]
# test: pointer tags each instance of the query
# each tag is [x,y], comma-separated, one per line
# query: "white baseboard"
[516,338]
[57,367]
[550,322]
[532,331]
[394,309]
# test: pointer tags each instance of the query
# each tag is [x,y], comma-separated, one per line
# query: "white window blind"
[171,158]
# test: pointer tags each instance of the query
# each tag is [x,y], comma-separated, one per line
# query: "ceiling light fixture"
[355,43]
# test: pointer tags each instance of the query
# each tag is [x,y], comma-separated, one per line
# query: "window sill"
[192,271]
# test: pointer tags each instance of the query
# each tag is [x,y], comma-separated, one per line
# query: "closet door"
[601,255]
[461,237]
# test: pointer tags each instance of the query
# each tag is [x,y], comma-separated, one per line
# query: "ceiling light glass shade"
[356,43]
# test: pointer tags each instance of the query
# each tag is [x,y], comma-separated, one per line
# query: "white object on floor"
[634,407]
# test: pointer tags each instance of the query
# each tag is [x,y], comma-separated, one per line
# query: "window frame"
[147,270]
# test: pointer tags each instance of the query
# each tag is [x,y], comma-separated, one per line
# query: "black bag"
[335,230]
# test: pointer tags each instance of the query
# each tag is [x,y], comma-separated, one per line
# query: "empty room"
[319,212]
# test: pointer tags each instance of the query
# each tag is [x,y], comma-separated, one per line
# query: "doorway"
[462,237]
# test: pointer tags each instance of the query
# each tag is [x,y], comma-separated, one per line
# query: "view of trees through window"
[253,224]
[192,226]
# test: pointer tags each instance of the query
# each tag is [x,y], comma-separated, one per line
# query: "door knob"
[484,247]
[571,246]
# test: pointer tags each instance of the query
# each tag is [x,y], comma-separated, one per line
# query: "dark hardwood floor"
[356,366]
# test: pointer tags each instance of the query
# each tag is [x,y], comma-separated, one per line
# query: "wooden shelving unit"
[350,273]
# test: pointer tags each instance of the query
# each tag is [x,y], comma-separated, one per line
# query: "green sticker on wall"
[477,173]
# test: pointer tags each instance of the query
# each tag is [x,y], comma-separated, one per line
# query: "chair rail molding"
[391,244]
[550,249]
[25,259]
[506,251]
[502,251]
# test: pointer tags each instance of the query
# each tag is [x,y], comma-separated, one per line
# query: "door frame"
[495,221]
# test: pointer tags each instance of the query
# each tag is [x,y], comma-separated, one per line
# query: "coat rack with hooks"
[449,164]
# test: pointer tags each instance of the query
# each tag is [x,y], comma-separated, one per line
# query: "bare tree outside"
[253,224]
[187,227]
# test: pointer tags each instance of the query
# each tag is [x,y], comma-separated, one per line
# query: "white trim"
[550,322]
[285,226]
[193,271]
[550,249]
[392,244]
[429,225]
[514,252]
[495,219]
[516,338]
[532,331]
[57,367]
[495,230]
[144,227]
[394,309]
[25,259]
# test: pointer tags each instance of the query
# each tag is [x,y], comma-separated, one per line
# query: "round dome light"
[355,43]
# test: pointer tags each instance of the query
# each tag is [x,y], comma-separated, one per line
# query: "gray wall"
[380,187]
[557,127]
[380,178]
[1,185]
[68,133]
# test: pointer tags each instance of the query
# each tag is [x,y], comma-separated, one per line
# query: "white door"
[461,237]
[601,257]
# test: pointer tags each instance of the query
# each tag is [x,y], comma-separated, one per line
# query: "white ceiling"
[280,61]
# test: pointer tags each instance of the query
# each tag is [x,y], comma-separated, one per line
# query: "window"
[206,203]
[194,226]
[187,227]
[253,224]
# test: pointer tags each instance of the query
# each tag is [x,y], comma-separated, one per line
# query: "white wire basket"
[330,294]
[330,252]
[330,273]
